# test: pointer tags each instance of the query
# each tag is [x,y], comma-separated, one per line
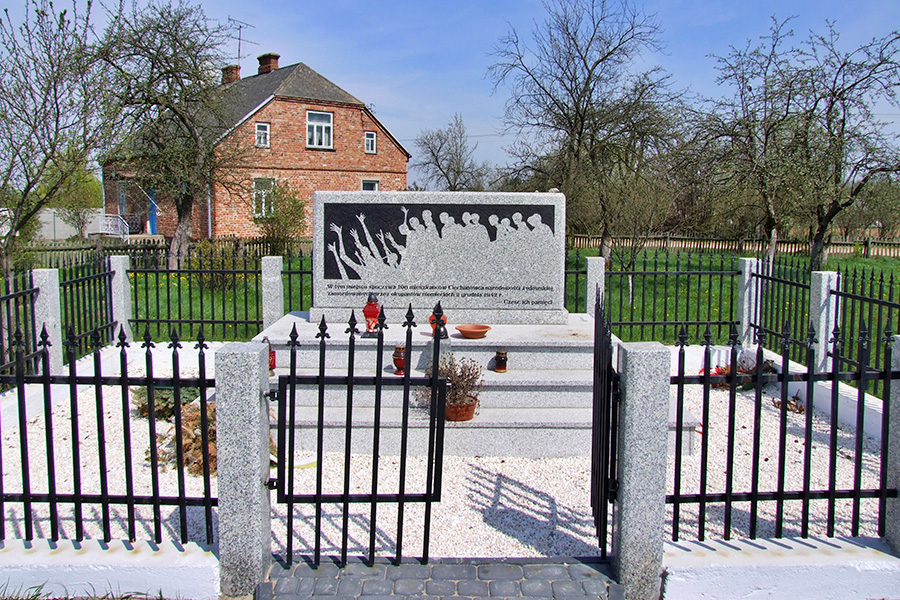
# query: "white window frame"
[262,189]
[320,134]
[263,135]
[371,181]
[371,142]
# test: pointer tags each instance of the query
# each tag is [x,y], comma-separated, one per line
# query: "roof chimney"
[231,73]
[268,62]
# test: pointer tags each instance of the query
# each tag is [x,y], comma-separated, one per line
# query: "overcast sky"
[417,61]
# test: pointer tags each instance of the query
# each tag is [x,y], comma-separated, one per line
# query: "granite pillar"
[746,299]
[640,514]
[47,313]
[823,314]
[121,295]
[892,513]
[596,279]
[242,421]
[272,290]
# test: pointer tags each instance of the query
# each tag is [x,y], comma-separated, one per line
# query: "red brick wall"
[306,170]
[288,159]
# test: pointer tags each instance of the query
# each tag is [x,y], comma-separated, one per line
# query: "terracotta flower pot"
[460,412]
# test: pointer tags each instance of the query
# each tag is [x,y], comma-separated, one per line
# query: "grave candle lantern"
[371,312]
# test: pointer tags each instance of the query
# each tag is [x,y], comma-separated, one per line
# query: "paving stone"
[491,572]
[545,572]
[470,587]
[305,569]
[566,588]
[409,587]
[440,587]
[364,571]
[278,571]
[616,591]
[264,591]
[378,597]
[377,587]
[326,587]
[289,585]
[454,572]
[575,597]
[409,572]
[503,588]
[594,587]
[580,571]
[299,597]
[535,587]
[430,598]
[350,586]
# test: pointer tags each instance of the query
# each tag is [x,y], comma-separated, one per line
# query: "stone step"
[569,388]
[528,346]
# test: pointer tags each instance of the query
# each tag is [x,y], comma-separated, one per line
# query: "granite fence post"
[823,313]
[272,290]
[640,514]
[746,305]
[596,279]
[242,423]
[47,313]
[121,294]
[892,513]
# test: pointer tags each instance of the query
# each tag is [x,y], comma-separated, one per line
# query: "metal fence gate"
[603,438]
[340,400]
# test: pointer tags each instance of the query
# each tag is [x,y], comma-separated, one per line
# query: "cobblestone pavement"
[448,578]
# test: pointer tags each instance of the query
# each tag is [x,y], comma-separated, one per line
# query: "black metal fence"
[101,455]
[297,273]
[782,300]
[604,420]
[769,465]
[355,389]
[866,301]
[216,292]
[86,298]
[17,325]
[663,291]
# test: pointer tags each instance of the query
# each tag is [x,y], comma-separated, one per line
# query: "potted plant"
[465,378]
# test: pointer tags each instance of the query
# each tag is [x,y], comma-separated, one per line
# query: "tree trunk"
[818,251]
[181,241]
[771,233]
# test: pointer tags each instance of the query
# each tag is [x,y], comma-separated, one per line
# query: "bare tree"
[448,160]
[800,132]
[53,111]
[164,57]
[586,121]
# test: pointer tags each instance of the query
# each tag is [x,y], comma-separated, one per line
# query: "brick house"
[299,128]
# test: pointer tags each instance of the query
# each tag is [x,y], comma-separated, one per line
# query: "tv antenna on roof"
[240,27]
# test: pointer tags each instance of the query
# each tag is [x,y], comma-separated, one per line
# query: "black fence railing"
[604,430]
[86,299]
[218,293]
[782,300]
[17,322]
[866,301]
[297,273]
[366,394]
[773,461]
[102,454]
[662,291]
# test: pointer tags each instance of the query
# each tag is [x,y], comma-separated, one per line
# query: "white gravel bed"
[490,507]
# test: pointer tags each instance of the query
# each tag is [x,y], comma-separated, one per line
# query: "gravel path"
[491,507]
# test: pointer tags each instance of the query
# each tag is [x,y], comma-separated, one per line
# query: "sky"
[418,62]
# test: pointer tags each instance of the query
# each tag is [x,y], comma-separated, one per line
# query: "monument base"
[454,316]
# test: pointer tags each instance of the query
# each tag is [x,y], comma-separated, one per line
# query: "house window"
[370,186]
[318,129]
[262,135]
[370,142]
[262,197]
[122,196]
